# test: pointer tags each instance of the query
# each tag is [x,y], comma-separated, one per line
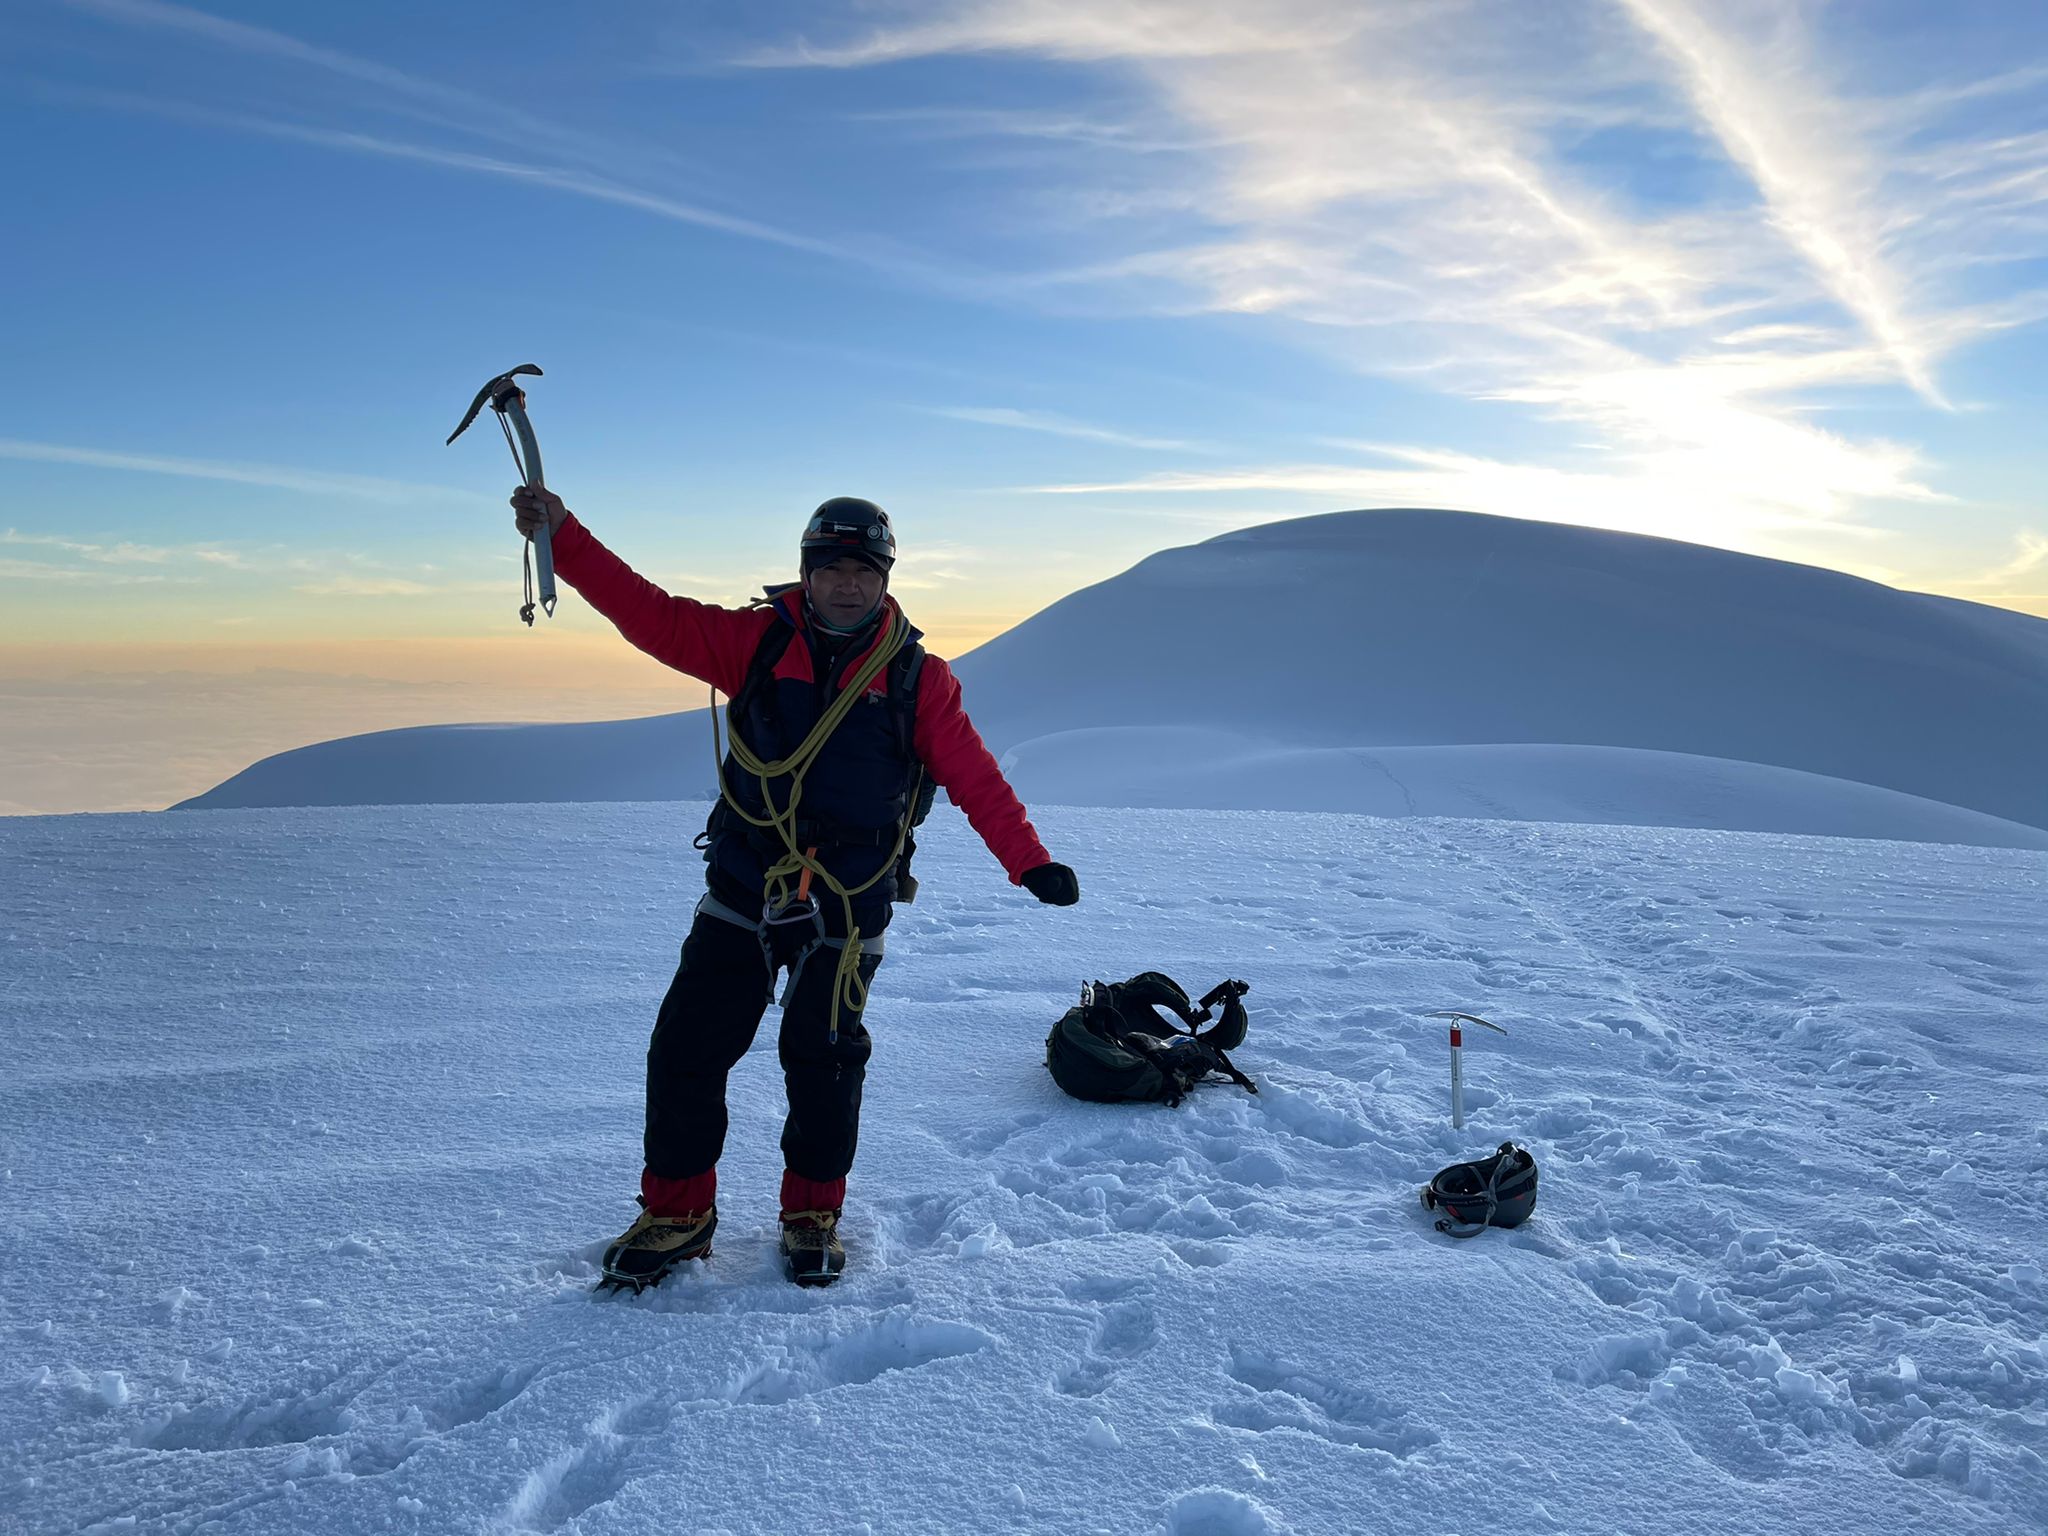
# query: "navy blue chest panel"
[855,795]
[861,778]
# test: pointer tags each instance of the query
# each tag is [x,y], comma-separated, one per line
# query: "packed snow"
[1480,666]
[315,1123]
[1209,769]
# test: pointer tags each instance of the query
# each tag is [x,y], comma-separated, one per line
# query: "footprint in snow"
[592,1473]
[1220,1512]
[1125,1329]
[896,1343]
[989,1138]
[465,1403]
[1284,1396]
[224,1425]
[471,1401]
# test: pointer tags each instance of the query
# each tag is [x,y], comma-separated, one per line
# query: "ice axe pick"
[504,396]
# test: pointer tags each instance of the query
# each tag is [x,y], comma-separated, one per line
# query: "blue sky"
[1060,283]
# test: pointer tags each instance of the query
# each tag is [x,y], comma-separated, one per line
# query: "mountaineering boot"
[654,1245]
[811,1248]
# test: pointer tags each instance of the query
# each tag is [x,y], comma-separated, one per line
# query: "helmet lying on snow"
[1496,1191]
[1116,1047]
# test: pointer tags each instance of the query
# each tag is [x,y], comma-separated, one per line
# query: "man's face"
[845,591]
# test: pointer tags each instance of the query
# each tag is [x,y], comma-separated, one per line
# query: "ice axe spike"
[504,396]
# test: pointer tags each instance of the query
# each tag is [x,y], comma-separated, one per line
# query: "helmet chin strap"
[818,617]
[855,627]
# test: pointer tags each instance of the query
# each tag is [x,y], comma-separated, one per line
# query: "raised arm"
[710,643]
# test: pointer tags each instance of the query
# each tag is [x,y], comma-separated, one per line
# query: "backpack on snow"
[904,672]
[1496,1191]
[1116,1047]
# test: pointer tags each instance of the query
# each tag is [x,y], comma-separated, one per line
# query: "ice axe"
[504,396]
[1458,1060]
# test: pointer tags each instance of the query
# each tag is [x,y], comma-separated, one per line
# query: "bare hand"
[530,506]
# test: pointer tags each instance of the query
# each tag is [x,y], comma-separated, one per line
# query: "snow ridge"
[1495,667]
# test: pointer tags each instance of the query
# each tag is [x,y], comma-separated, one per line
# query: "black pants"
[707,1022]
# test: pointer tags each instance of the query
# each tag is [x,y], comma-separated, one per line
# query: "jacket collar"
[791,609]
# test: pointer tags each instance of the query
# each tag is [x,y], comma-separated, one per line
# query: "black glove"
[1053,884]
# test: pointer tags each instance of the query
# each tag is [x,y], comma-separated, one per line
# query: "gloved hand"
[530,506]
[1054,884]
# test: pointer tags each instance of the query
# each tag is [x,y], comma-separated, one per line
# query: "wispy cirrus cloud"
[1061,426]
[1442,194]
[490,118]
[1773,114]
[1674,236]
[342,573]
[2028,563]
[275,476]
[366,586]
[1029,123]
[1696,504]
[554,178]
[1058,29]
[122,553]
[2032,557]
[38,570]
[545,152]
[126,551]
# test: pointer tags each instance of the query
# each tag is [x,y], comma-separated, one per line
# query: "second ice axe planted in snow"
[1458,1059]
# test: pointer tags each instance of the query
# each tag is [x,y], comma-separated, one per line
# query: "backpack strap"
[1193,1052]
[1151,990]
[1172,1065]
[761,667]
[905,673]
[774,643]
[1226,1066]
[1228,1032]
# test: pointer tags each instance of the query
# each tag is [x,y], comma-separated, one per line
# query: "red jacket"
[715,645]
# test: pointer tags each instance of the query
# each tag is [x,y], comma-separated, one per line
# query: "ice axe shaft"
[504,396]
[1458,1060]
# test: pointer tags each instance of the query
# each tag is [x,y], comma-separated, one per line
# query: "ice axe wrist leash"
[504,396]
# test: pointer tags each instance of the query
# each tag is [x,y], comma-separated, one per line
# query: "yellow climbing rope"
[797,862]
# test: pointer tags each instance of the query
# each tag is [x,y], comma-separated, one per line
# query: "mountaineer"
[841,725]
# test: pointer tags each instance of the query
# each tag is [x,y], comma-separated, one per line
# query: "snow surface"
[315,1123]
[1663,680]
[1205,769]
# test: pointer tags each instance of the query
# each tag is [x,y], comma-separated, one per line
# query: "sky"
[1058,282]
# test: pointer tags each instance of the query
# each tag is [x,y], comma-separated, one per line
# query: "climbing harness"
[787,897]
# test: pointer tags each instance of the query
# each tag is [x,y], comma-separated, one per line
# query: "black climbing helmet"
[1496,1191]
[849,525]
